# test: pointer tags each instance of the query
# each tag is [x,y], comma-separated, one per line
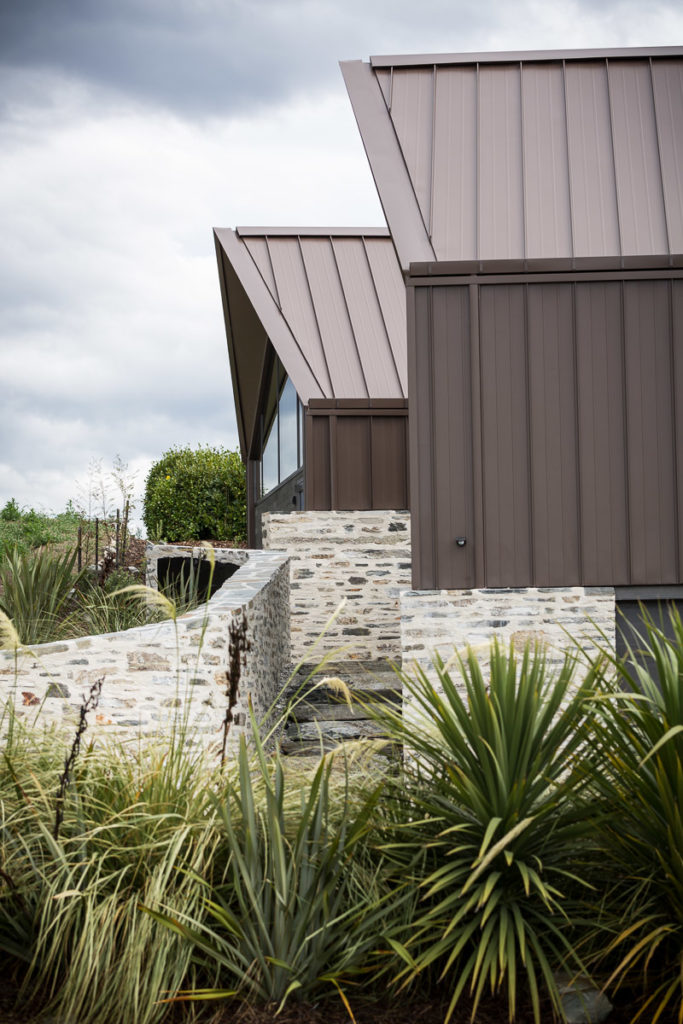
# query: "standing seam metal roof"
[332,303]
[513,156]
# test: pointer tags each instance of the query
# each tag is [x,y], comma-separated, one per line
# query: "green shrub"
[196,494]
[27,529]
[137,829]
[10,512]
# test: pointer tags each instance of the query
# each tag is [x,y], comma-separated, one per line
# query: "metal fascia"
[515,56]
[276,327]
[395,189]
[241,428]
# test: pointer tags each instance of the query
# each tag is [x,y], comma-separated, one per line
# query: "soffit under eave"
[246,362]
[392,180]
[248,279]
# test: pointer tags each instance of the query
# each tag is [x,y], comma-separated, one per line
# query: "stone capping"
[155,672]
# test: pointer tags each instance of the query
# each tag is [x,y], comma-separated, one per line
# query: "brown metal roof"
[331,301]
[516,156]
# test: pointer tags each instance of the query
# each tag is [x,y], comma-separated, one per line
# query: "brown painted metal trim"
[394,186]
[334,490]
[311,232]
[324,406]
[265,307]
[477,458]
[252,477]
[241,428]
[578,264]
[670,274]
[526,56]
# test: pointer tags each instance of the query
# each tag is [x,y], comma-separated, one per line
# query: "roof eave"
[394,187]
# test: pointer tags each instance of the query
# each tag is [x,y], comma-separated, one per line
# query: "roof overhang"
[525,155]
[329,300]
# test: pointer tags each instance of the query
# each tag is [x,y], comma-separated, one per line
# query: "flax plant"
[491,815]
[35,592]
[301,906]
[640,756]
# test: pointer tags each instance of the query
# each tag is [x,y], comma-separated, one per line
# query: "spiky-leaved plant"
[35,590]
[491,815]
[639,748]
[300,908]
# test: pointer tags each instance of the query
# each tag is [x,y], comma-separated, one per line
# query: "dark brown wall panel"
[553,434]
[420,384]
[356,454]
[650,432]
[452,440]
[505,437]
[318,467]
[677,346]
[558,398]
[602,432]
[388,447]
[353,463]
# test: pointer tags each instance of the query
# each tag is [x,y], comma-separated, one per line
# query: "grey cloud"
[219,56]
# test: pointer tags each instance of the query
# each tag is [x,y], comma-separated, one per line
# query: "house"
[535,204]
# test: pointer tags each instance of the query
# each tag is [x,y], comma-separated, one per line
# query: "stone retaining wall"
[155,672]
[447,620]
[362,556]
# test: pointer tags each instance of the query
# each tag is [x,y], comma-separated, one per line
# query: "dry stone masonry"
[361,556]
[155,672]
[448,620]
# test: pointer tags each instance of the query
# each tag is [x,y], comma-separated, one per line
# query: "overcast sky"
[128,129]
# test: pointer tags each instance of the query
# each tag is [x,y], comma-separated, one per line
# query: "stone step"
[322,717]
[305,738]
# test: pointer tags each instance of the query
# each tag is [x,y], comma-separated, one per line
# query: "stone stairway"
[323,717]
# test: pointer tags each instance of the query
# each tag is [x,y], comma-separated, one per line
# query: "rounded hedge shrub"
[196,494]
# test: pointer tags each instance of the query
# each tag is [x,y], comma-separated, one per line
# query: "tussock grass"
[137,829]
[534,824]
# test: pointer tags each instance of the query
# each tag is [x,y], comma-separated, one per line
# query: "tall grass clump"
[136,829]
[639,755]
[492,817]
[36,591]
[48,599]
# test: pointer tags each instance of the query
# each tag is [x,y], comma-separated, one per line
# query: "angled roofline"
[274,323]
[254,316]
[394,187]
[308,232]
[408,199]
[517,56]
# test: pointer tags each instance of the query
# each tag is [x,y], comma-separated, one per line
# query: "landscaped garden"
[526,835]
[532,825]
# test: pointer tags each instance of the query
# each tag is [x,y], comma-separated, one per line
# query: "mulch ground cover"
[401,1011]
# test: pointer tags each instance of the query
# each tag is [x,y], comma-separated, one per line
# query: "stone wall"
[362,556]
[447,620]
[152,673]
